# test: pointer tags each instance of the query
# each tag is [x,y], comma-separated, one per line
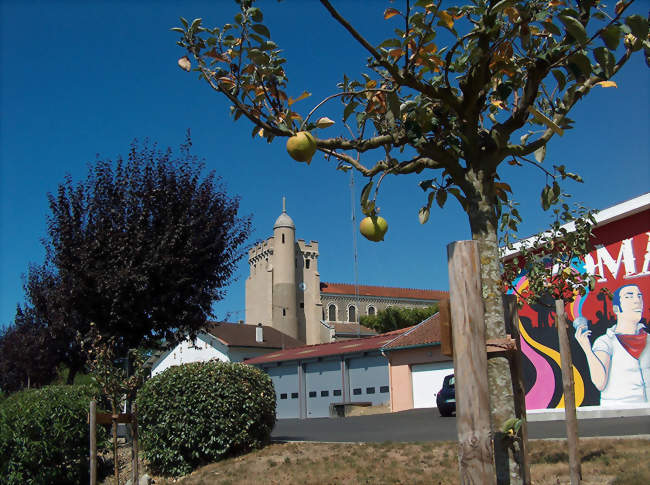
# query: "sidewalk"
[588,412]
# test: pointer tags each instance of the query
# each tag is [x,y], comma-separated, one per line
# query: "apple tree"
[495,95]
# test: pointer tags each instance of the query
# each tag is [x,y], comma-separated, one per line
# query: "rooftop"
[383,291]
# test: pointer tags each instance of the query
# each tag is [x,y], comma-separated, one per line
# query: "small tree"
[143,247]
[497,94]
[394,318]
[27,358]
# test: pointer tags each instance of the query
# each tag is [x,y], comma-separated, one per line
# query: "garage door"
[285,383]
[427,381]
[369,379]
[323,382]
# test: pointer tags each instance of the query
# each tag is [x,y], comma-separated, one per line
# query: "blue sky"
[85,78]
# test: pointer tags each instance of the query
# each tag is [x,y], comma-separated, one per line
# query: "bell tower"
[285,312]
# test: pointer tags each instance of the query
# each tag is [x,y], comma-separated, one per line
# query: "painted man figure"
[619,360]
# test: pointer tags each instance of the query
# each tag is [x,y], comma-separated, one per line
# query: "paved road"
[427,425]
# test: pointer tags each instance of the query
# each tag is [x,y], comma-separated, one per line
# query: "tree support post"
[475,452]
[92,421]
[134,444]
[569,394]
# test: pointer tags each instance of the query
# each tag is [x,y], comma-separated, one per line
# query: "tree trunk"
[483,223]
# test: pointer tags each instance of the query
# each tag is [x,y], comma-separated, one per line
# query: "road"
[427,425]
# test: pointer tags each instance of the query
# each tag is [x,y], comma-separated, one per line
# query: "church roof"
[241,335]
[284,220]
[383,291]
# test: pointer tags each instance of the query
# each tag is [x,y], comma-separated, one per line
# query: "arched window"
[331,312]
[371,310]
[352,313]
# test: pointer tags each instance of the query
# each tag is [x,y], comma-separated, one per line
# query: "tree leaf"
[638,25]
[261,29]
[185,64]
[390,12]
[574,28]
[580,63]
[607,84]
[365,193]
[324,122]
[611,36]
[605,59]
[540,154]
[542,118]
[560,78]
[349,109]
[393,104]
[441,197]
[423,215]
[304,95]
[446,19]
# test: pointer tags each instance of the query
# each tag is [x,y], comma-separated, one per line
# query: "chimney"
[259,337]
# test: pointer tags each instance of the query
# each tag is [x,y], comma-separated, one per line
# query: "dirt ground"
[604,462]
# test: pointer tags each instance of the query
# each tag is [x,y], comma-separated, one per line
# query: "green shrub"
[44,435]
[198,413]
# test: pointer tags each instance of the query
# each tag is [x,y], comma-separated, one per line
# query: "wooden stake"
[92,421]
[516,371]
[569,394]
[134,445]
[475,447]
[116,460]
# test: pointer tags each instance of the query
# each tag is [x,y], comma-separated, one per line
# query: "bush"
[44,435]
[198,413]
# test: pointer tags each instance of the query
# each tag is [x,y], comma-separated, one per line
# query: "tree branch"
[407,79]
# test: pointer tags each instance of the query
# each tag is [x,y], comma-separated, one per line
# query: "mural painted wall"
[609,337]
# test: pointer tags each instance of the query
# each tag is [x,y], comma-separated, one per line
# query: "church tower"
[285,313]
[283,288]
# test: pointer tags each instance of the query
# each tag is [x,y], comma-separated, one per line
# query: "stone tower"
[283,288]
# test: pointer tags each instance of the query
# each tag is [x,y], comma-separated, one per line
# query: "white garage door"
[427,381]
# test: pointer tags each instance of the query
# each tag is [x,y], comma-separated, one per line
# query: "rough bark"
[483,224]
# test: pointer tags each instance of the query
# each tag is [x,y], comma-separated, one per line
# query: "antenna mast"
[357,315]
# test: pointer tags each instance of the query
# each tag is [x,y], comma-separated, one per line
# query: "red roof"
[425,332]
[385,291]
[334,348]
[352,329]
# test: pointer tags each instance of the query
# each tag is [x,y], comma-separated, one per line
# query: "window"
[383,389]
[302,304]
[324,393]
[307,263]
[282,238]
[370,390]
[294,395]
[336,392]
[352,313]
[331,313]
[371,310]
[356,391]
[283,396]
[284,312]
[312,393]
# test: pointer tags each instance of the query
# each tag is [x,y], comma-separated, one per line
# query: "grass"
[604,461]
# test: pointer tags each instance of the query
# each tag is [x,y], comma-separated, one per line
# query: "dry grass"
[604,461]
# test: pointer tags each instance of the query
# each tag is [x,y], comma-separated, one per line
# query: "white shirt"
[628,380]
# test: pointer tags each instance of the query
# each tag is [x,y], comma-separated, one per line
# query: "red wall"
[621,257]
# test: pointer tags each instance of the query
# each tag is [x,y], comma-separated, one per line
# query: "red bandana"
[634,344]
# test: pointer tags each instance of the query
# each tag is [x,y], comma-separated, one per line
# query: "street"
[427,425]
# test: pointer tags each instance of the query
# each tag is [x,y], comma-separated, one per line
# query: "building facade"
[284,291]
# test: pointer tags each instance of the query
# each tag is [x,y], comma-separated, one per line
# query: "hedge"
[198,413]
[44,435]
